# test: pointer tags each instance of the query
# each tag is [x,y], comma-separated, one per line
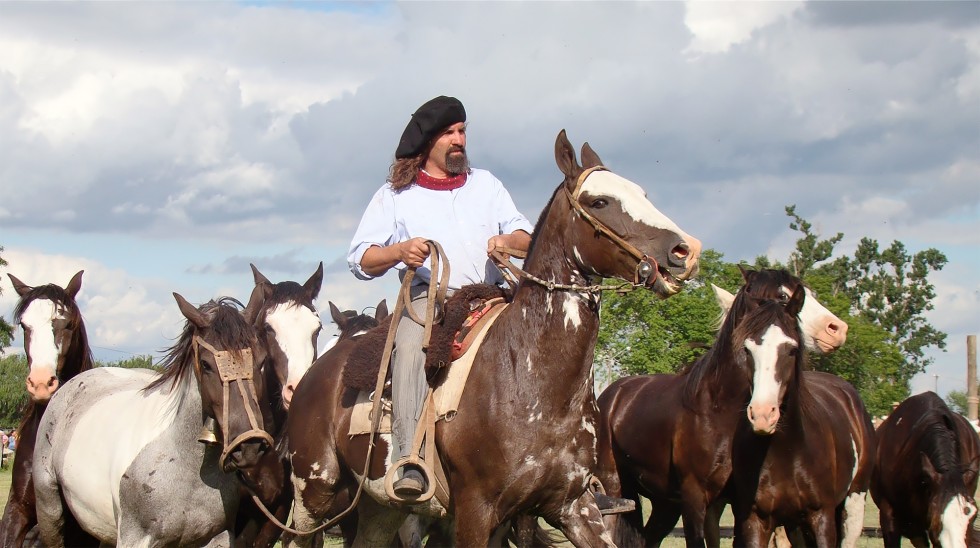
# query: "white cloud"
[718,25]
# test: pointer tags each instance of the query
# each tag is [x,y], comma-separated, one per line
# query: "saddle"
[465,314]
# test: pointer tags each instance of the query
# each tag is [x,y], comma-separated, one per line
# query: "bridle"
[646,266]
[238,369]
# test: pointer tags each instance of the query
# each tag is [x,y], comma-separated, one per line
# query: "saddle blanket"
[447,395]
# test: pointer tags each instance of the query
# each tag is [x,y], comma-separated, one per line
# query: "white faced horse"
[117,452]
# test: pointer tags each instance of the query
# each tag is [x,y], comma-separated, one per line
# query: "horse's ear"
[255,302]
[381,312]
[970,474]
[312,286]
[74,285]
[191,312]
[746,272]
[724,298]
[258,277]
[795,303]
[20,287]
[337,315]
[589,157]
[565,158]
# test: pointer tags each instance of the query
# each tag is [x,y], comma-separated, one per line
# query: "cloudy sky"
[163,147]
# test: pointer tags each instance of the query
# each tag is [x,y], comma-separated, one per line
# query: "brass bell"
[207,435]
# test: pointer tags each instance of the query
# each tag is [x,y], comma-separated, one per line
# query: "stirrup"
[427,478]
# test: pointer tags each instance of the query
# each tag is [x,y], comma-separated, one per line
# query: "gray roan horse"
[57,349]
[523,441]
[117,449]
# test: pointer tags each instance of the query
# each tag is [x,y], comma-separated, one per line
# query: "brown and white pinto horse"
[668,437]
[288,324]
[57,349]
[523,441]
[795,462]
[925,475]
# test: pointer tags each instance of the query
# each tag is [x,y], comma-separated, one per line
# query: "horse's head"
[53,329]
[351,324]
[616,232]
[823,331]
[288,323]
[950,486]
[767,342]
[227,358]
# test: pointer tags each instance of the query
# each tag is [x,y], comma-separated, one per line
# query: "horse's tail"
[626,528]
[526,531]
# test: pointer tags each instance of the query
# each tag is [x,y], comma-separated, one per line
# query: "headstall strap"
[231,369]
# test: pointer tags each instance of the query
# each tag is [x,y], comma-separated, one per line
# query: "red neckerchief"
[432,183]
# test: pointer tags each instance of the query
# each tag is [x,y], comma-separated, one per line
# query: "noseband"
[646,265]
[238,370]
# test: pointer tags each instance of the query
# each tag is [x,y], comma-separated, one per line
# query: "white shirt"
[461,220]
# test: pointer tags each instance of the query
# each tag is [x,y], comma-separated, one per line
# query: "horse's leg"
[377,525]
[663,518]
[889,531]
[823,524]
[753,532]
[712,521]
[853,519]
[20,514]
[582,524]
[50,508]
[694,505]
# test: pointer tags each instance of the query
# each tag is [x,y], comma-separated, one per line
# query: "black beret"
[427,122]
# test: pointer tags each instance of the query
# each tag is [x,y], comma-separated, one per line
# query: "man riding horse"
[432,193]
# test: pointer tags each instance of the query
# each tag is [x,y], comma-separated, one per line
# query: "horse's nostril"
[678,255]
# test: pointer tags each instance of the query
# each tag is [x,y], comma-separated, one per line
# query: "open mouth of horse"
[663,282]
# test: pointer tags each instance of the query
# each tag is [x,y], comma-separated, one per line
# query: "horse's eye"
[793,351]
[269,329]
[599,203]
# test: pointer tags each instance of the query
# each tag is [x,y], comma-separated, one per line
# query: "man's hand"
[413,252]
[518,240]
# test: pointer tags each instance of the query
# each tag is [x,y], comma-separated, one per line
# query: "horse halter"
[238,370]
[646,265]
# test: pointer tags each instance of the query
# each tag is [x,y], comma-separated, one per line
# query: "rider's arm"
[378,259]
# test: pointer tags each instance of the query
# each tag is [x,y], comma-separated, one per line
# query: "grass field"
[870,519]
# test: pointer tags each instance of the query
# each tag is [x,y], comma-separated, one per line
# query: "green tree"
[644,334]
[136,362]
[956,400]
[891,288]
[13,393]
[6,330]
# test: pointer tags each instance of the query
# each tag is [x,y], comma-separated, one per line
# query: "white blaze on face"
[766,388]
[633,199]
[43,350]
[956,519]
[294,326]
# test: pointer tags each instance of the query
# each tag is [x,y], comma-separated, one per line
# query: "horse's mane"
[937,438]
[288,291]
[356,323]
[227,322]
[706,367]
[541,219]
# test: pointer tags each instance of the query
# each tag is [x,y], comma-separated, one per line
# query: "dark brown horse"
[668,437]
[523,441]
[57,349]
[795,462]
[925,475]
[288,325]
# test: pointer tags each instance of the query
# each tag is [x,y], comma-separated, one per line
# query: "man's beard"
[457,164]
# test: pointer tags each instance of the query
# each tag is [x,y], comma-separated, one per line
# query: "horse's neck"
[79,356]
[560,326]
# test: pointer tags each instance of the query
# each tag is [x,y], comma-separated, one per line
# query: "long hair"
[401,173]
